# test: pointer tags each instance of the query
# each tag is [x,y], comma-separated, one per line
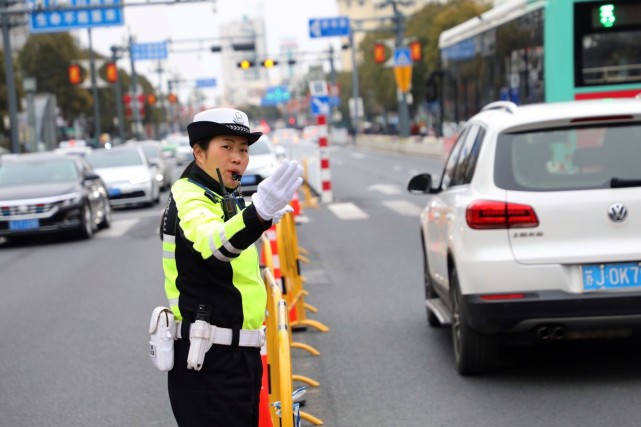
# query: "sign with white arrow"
[329,27]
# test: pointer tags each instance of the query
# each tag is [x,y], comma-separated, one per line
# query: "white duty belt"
[223,336]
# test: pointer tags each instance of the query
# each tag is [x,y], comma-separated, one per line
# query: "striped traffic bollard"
[326,181]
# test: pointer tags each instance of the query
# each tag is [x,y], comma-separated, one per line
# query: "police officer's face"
[230,154]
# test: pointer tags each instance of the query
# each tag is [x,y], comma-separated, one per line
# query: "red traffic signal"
[379,53]
[75,74]
[416,51]
[111,72]
[151,99]
[172,98]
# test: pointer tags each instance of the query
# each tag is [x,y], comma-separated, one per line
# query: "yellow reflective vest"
[207,260]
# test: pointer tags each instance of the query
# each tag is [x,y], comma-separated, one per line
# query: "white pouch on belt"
[162,328]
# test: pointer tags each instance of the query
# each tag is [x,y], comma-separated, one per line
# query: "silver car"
[130,179]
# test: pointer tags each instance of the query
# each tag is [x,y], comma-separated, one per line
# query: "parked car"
[532,230]
[184,152]
[263,159]
[153,152]
[51,193]
[130,178]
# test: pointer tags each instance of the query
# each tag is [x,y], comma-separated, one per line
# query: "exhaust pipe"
[549,332]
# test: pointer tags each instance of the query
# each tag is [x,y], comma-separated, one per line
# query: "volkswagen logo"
[618,212]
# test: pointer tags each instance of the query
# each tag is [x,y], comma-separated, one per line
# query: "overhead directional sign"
[402,56]
[157,50]
[202,83]
[319,105]
[59,19]
[275,95]
[329,27]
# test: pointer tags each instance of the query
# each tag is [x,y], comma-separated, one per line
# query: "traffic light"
[416,52]
[269,63]
[75,74]
[379,53]
[151,99]
[244,46]
[245,64]
[111,72]
[291,61]
[172,98]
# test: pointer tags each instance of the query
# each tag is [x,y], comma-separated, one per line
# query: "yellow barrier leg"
[311,308]
[309,322]
[305,347]
[312,419]
[305,380]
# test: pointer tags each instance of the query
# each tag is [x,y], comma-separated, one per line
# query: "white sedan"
[532,231]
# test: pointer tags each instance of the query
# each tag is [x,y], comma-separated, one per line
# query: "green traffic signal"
[606,15]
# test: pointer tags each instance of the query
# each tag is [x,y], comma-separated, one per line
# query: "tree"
[46,57]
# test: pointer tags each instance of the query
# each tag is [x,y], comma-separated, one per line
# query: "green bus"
[529,51]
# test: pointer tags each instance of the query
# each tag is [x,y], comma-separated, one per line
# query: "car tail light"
[6,210]
[492,215]
[499,297]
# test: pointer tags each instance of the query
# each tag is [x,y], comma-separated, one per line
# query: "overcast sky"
[285,19]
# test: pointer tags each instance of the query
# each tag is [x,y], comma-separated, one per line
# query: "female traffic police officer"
[212,275]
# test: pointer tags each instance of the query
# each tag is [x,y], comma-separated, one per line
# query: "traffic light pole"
[94,90]
[403,109]
[121,119]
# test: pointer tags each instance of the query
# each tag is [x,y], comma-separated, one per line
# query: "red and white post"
[326,179]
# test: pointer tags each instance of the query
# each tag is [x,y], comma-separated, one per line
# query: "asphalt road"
[74,318]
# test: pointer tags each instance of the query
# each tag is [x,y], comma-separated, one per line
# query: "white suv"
[534,229]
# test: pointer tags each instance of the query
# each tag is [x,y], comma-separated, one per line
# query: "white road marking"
[358,155]
[347,211]
[403,207]
[118,228]
[388,189]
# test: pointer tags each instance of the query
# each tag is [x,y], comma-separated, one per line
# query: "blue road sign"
[275,95]
[202,83]
[402,56]
[319,105]
[51,21]
[329,27]
[157,50]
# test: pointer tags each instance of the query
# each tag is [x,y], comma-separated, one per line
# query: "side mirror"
[154,164]
[421,184]
[91,176]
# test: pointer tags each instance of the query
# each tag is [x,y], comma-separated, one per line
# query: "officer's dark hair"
[204,144]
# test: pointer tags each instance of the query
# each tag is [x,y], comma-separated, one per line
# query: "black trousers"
[224,393]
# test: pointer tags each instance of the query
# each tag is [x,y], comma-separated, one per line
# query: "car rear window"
[114,158]
[568,158]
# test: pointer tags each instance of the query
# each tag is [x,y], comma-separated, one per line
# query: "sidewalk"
[422,146]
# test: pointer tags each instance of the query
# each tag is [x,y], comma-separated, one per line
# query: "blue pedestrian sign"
[202,83]
[319,105]
[402,56]
[157,50]
[43,20]
[329,27]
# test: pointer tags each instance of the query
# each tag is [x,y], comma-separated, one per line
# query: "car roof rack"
[509,106]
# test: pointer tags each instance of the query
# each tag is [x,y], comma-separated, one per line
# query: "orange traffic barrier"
[279,356]
[290,271]
[264,414]
[309,201]
[295,204]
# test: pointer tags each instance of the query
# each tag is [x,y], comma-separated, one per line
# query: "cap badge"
[238,118]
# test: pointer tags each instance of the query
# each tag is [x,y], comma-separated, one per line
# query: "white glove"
[275,192]
[280,213]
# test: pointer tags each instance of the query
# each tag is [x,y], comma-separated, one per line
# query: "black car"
[51,193]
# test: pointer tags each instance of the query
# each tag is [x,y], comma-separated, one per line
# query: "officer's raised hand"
[274,193]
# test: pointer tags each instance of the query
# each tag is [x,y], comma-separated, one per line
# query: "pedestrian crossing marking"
[347,211]
[403,207]
[118,228]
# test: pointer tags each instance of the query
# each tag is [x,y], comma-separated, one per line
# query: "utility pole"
[12,98]
[135,108]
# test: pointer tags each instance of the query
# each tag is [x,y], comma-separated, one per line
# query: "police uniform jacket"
[208,260]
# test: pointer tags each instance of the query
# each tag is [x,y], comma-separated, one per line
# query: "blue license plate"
[113,192]
[611,276]
[24,224]
[248,180]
